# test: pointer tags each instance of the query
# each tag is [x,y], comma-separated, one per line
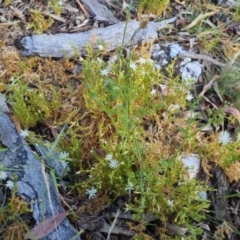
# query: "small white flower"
[100,47]
[143,72]
[60,3]
[224,137]
[63,155]
[80,59]
[104,72]
[189,97]
[153,92]
[24,133]
[10,184]
[3,175]
[109,157]
[129,187]
[65,164]
[113,163]
[142,60]
[133,66]
[170,203]
[91,192]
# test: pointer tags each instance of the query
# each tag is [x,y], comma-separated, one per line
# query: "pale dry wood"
[70,45]
[99,10]
[30,179]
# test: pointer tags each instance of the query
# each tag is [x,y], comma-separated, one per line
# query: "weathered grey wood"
[31,185]
[228,3]
[99,11]
[68,45]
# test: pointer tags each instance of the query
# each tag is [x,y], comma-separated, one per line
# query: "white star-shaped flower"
[224,137]
[3,175]
[113,163]
[104,72]
[65,164]
[63,155]
[60,3]
[10,184]
[100,47]
[24,133]
[80,59]
[189,97]
[142,60]
[170,203]
[91,192]
[133,66]
[109,157]
[129,187]
[153,92]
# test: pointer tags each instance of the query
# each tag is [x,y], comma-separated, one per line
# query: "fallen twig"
[201,57]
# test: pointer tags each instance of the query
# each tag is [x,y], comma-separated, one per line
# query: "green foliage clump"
[30,105]
[38,22]
[139,162]
[153,6]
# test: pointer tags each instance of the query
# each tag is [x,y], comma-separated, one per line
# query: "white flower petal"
[10,184]
[142,60]
[109,157]
[224,137]
[133,66]
[113,163]
[153,92]
[170,203]
[24,133]
[100,47]
[104,72]
[63,155]
[189,97]
[3,175]
[129,187]
[91,192]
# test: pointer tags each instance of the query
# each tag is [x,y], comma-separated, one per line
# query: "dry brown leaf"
[17,13]
[46,227]
[54,16]
[198,19]
[235,112]
[209,85]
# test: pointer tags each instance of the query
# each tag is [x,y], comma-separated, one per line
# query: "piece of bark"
[220,202]
[228,3]
[93,223]
[70,45]
[31,180]
[99,11]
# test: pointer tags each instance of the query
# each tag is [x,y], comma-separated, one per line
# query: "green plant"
[39,22]
[56,6]
[138,162]
[153,6]
[30,105]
